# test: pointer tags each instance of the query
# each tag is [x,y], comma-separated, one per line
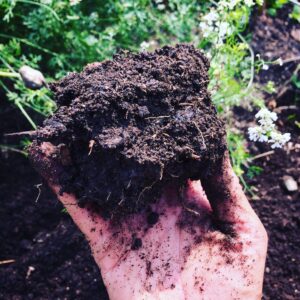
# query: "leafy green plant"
[254,171]
[275,5]
[61,36]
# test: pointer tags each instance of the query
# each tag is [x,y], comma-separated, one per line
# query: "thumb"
[226,196]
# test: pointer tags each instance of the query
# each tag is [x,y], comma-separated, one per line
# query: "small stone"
[290,184]
[33,79]
[295,33]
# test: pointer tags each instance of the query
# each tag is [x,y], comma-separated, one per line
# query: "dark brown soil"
[50,258]
[39,235]
[278,209]
[128,127]
[274,38]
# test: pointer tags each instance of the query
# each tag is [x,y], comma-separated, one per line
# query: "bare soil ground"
[51,259]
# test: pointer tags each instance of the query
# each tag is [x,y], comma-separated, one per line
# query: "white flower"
[229,3]
[257,134]
[232,3]
[249,3]
[265,67]
[267,125]
[161,7]
[264,113]
[279,139]
[211,17]
[266,131]
[144,45]
[224,29]
[206,29]
[74,2]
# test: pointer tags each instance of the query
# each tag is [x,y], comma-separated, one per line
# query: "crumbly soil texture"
[34,233]
[125,128]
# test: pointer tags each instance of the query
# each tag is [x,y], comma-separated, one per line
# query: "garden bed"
[48,258]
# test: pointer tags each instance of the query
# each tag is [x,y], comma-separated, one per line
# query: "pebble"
[33,79]
[290,184]
[295,33]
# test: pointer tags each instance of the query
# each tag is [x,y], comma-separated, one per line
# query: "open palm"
[183,246]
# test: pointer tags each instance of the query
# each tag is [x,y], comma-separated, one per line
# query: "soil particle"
[128,127]
[136,243]
[152,218]
[149,271]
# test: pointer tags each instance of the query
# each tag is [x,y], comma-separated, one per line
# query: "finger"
[226,195]
[88,222]
[108,241]
[47,162]
[196,194]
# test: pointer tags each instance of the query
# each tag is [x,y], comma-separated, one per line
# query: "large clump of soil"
[130,126]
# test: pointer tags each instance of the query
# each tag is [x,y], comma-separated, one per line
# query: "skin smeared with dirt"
[167,237]
[178,247]
[126,128]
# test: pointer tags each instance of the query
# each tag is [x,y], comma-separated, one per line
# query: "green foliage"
[295,81]
[238,151]
[295,14]
[58,37]
[275,5]
[270,87]
[254,171]
[61,36]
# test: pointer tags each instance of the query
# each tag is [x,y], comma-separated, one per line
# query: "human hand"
[190,244]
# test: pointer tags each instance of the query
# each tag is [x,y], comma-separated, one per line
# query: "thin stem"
[10,148]
[24,41]
[9,74]
[252,62]
[290,59]
[261,155]
[246,186]
[19,105]
[4,86]
[42,5]
[7,65]
[25,114]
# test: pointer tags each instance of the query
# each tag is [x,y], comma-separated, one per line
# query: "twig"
[38,186]
[203,141]
[281,108]
[190,210]
[29,132]
[7,261]
[288,60]
[261,155]
[158,117]
[8,148]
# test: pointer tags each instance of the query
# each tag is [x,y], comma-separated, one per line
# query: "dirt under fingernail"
[133,125]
